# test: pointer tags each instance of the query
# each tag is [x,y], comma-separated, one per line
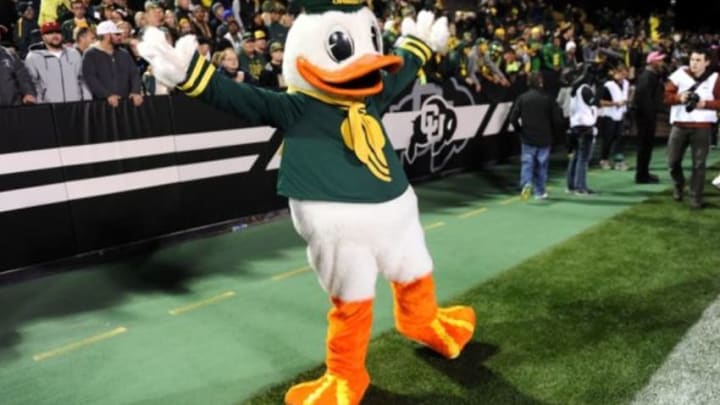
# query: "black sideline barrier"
[79,177]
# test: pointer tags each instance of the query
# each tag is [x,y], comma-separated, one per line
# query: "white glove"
[433,32]
[169,64]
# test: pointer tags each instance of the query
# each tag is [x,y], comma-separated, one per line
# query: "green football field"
[579,300]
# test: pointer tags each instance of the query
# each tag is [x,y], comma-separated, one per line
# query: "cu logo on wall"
[433,131]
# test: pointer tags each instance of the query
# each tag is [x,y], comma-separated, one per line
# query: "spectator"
[613,106]
[78,21]
[272,76]
[199,20]
[648,95]
[537,117]
[276,30]
[479,63]
[182,10]
[217,11]
[185,27]
[154,14]
[49,10]
[583,117]
[170,21]
[222,28]
[233,36]
[250,60]
[17,87]
[26,25]
[227,64]
[110,71]
[700,86]
[56,70]
[84,37]
[261,43]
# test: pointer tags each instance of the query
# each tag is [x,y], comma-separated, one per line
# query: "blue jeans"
[535,160]
[582,140]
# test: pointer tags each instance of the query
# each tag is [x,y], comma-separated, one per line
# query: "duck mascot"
[348,194]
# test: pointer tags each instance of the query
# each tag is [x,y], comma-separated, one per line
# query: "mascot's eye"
[376,38]
[340,46]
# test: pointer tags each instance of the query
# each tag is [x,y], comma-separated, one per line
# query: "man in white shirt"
[693,92]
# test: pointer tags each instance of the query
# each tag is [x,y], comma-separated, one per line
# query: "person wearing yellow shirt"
[49,8]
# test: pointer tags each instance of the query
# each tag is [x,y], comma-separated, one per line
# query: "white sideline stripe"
[498,119]
[118,183]
[691,373]
[108,151]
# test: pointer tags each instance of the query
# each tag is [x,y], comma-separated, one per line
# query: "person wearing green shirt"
[348,194]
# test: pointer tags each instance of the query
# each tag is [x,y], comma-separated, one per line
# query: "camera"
[692,101]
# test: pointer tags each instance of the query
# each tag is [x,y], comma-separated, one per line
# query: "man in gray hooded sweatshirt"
[56,71]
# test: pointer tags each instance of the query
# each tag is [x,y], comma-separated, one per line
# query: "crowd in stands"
[91,45]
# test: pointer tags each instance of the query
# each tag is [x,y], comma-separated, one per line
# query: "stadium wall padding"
[81,177]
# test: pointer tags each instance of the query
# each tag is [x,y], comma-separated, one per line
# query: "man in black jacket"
[16,86]
[109,71]
[648,95]
[537,117]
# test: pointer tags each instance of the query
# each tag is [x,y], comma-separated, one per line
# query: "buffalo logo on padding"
[433,131]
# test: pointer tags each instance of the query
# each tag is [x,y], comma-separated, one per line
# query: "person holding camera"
[693,93]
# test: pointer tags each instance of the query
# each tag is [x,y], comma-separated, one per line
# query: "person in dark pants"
[613,107]
[537,117]
[694,96]
[648,94]
[583,120]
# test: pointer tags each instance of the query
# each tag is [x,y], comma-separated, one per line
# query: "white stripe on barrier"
[274,163]
[499,117]
[32,197]
[30,160]
[216,168]
[108,151]
[219,139]
[118,183]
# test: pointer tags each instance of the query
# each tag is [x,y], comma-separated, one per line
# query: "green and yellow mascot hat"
[321,6]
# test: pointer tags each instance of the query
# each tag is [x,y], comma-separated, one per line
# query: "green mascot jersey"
[316,164]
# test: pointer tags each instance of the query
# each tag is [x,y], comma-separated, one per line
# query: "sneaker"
[678,193]
[696,205]
[569,190]
[649,179]
[621,166]
[526,192]
[716,182]
[585,193]
[605,165]
[543,196]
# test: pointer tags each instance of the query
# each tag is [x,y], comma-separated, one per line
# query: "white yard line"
[691,373]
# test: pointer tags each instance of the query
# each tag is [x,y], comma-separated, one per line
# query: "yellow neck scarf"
[361,132]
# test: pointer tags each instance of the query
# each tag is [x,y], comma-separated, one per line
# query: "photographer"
[694,96]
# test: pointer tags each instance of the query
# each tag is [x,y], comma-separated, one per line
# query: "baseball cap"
[276,46]
[260,34]
[107,27]
[50,27]
[655,56]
